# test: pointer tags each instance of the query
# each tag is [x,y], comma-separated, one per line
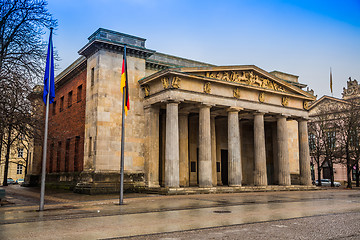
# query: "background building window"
[312,142]
[67,153]
[76,154]
[58,157]
[20,152]
[54,108]
[70,98]
[79,92]
[51,158]
[19,169]
[331,138]
[61,103]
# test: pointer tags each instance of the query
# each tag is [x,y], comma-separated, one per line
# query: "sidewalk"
[100,216]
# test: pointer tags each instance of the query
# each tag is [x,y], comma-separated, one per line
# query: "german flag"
[125,84]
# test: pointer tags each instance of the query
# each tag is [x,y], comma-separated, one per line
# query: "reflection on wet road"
[173,213]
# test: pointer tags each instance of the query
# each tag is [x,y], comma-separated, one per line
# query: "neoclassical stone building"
[190,123]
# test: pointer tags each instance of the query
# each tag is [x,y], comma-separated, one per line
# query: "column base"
[235,185]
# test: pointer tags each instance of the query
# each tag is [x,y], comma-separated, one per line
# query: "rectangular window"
[51,158]
[70,98]
[67,153]
[92,77]
[21,136]
[312,142]
[19,169]
[331,138]
[79,92]
[58,157]
[61,103]
[54,108]
[76,154]
[20,152]
[90,148]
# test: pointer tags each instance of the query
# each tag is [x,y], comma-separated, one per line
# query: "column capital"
[282,115]
[302,119]
[234,109]
[259,113]
[206,105]
[171,100]
[213,115]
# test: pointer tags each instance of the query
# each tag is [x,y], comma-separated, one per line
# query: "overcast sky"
[301,37]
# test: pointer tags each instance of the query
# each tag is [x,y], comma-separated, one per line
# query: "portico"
[224,126]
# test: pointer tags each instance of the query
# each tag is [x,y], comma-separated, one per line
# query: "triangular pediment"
[251,76]
[327,104]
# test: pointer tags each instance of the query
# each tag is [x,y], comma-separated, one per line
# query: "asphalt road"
[328,214]
[330,226]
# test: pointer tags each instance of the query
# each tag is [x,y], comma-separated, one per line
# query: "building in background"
[330,106]
[190,123]
[20,154]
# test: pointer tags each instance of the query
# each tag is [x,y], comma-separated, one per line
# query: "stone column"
[304,154]
[205,168]
[152,151]
[275,152]
[260,175]
[213,150]
[184,149]
[162,148]
[283,152]
[172,145]
[234,153]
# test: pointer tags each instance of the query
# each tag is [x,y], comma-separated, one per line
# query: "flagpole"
[43,170]
[331,83]
[123,137]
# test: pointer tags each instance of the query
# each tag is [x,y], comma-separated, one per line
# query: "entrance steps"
[226,189]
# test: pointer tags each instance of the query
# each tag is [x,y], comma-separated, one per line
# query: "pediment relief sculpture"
[176,82]
[246,77]
[146,89]
[165,82]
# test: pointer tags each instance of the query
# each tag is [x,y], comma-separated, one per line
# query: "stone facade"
[190,123]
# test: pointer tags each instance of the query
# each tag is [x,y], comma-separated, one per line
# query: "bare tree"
[316,144]
[348,124]
[323,138]
[22,61]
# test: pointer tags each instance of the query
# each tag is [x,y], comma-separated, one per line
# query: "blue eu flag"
[49,73]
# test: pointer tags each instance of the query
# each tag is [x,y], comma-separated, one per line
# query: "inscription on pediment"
[246,77]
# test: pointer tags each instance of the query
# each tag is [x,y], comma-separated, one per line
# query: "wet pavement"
[73,216]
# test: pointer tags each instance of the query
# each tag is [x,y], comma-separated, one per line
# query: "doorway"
[224,167]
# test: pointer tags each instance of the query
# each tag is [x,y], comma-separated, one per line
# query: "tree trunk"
[348,171]
[1,142]
[319,172]
[331,173]
[7,156]
[357,174]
